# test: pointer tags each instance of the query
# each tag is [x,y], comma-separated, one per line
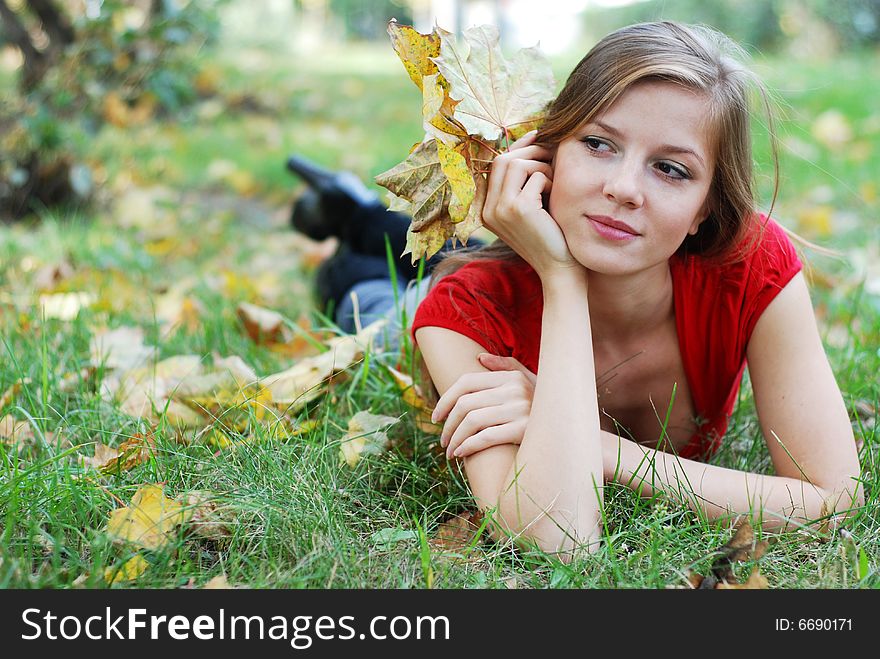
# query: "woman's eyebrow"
[668,148]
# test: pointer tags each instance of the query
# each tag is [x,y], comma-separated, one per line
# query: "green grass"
[299,517]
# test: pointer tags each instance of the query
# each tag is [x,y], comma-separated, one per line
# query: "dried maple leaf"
[103,454]
[474,102]
[365,435]
[420,180]
[415,50]
[149,521]
[494,94]
[308,379]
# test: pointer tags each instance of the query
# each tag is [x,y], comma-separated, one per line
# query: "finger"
[467,404]
[538,184]
[480,419]
[518,175]
[528,138]
[508,433]
[500,362]
[467,383]
[501,164]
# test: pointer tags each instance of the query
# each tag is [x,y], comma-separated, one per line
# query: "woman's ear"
[701,217]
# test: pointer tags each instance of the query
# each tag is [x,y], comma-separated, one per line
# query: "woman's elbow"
[551,532]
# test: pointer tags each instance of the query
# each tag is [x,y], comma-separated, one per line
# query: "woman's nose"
[622,185]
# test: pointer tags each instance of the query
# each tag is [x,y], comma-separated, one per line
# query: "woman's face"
[631,184]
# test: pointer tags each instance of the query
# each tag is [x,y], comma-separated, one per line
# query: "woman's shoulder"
[503,281]
[765,255]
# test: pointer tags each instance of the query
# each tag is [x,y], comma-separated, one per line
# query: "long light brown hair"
[697,58]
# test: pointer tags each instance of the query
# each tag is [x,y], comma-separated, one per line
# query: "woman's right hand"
[514,209]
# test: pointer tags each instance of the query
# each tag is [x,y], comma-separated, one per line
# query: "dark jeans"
[362,257]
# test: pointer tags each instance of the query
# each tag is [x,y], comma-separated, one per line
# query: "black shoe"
[332,199]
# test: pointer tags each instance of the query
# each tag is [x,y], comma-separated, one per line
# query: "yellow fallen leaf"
[293,388]
[128,571]
[149,521]
[365,435]
[412,395]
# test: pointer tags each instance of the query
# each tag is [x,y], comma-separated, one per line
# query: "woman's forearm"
[780,502]
[555,482]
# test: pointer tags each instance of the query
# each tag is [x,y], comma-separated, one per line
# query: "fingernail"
[458,453]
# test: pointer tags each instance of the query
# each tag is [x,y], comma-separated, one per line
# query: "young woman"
[604,337]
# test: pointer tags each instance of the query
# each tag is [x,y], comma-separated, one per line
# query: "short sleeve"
[466,302]
[772,264]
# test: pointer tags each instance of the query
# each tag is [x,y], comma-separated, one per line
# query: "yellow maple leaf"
[461,181]
[415,50]
[149,520]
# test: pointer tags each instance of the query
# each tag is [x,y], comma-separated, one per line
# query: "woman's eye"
[671,171]
[595,144]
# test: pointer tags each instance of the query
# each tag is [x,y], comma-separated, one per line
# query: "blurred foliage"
[766,25]
[367,20]
[129,63]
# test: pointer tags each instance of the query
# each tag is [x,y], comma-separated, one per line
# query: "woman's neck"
[626,307]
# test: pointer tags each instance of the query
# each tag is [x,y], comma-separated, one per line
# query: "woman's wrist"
[564,280]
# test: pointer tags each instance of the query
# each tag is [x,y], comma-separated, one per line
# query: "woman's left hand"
[486,409]
[514,209]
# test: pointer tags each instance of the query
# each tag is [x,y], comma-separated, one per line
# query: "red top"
[499,304]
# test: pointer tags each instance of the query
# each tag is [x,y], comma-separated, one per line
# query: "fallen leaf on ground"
[309,378]
[150,519]
[133,568]
[740,548]
[412,395]
[365,436]
[121,348]
[103,455]
[14,431]
[131,452]
[458,532]
[262,325]
[220,582]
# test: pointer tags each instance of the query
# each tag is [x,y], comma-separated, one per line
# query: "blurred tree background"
[80,65]
[68,68]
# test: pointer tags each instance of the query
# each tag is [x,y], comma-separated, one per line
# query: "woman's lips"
[612,229]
